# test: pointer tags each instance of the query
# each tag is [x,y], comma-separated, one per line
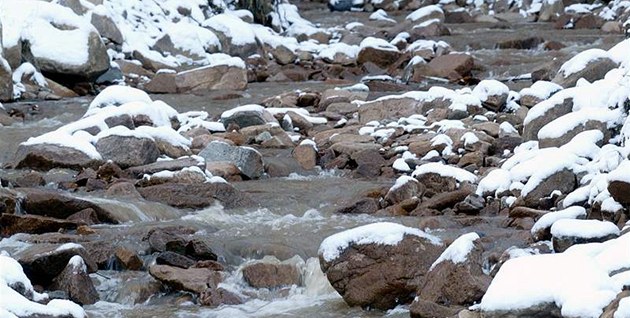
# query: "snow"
[583,228]
[424,12]
[377,43]
[581,60]
[382,233]
[11,273]
[560,126]
[623,311]
[245,108]
[487,88]
[458,251]
[469,138]
[34,21]
[459,174]
[497,181]
[507,128]
[116,95]
[575,282]
[401,181]
[239,32]
[329,52]
[64,139]
[541,89]
[29,69]
[621,173]
[401,165]
[381,15]
[547,220]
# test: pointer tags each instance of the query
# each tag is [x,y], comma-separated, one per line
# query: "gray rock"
[128,151]
[563,181]
[341,5]
[42,263]
[74,280]
[44,157]
[212,78]
[170,165]
[196,196]
[107,28]
[594,70]
[74,5]
[247,159]
[6,82]
[559,109]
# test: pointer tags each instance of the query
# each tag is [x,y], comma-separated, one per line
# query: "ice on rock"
[458,251]
[382,233]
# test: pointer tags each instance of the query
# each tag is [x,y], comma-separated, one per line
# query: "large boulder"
[75,280]
[57,40]
[232,76]
[591,65]
[107,27]
[236,36]
[48,156]
[247,159]
[451,66]
[268,275]
[379,265]
[34,224]
[246,116]
[456,277]
[195,280]
[53,203]
[568,232]
[196,196]
[128,151]
[563,180]
[543,113]
[388,109]
[377,51]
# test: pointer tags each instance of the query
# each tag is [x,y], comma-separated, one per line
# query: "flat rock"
[45,157]
[196,196]
[57,204]
[211,78]
[267,275]
[33,224]
[195,280]
[247,159]
[128,151]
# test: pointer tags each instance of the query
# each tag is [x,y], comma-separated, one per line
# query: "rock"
[562,138]
[200,250]
[382,55]
[151,63]
[342,5]
[174,259]
[128,151]
[284,55]
[44,157]
[75,5]
[267,275]
[162,83]
[436,183]
[620,191]
[528,43]
[364,206]
[42,263]
[236,36]
[168,165]
[133,68]
[427,30]
[459,15]
[589,21]
[369,163]
[211,78]
[612,27]
[74,280]
[33,224]
[472,204]
[107,28]
[377,275]
[594,70]
[306,155]
[451,66]
[31,179]
[550,11]
[444,200]
[128,259]
[196,280]
[6,81]
[196,196]
[388,109]
[162,240]
[426,13]
[214,297]
[421,308]
[246,116]
[404,189]
[457,281]
[563,181]
[53,203]
[553,109]
[565,234]
[611,309]
[248,160]
[493,94]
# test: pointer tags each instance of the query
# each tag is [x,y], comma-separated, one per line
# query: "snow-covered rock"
[568,232]
[591,65]
[247,159]
[376,265]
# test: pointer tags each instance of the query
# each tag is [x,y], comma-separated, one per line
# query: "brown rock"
[411,188]
[620,191]
[306,155]
[42,263]
[267,275]
[211,78]
[594,70]
[563,181]
[532,127]
[421,308]
[364,205]
[436,183]
[45,157]
[56,204]
[162,83]
[195,196]
[128,259]
[451,66]
[196,280]
[381,276]
[74,280]
[33,224]
[214,297]
[174,259]
[381,57]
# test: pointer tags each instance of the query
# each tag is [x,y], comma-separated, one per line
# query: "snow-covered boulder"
[378,265]
[568,232]
[456,277]
[75,280]
[126,148]
[492,93]
[60,42]
[538,92]
[427,13]
[563,129]
[106,26]
[377,51]
[237,37]
[405,188]
[19,299]
[543,113]
[542,228]
[591,65]
[247,115]
[438,177]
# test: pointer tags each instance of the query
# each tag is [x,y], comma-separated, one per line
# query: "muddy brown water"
[296,213]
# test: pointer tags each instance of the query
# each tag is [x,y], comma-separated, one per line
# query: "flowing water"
[295,214]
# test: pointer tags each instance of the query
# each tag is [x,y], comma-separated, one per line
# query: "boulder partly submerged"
[379,265]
